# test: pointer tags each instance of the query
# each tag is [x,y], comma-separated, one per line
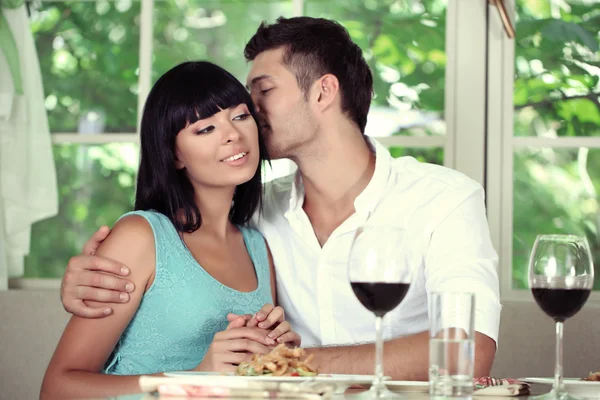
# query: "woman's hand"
[235,345]
[269,317]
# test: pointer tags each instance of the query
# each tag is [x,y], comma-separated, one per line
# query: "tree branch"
[378,24]
[548,102]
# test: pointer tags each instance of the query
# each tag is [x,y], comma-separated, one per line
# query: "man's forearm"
[405,358]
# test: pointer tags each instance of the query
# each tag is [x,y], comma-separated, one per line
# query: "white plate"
[197,373]
[408,386]
[574,386]
[340,381]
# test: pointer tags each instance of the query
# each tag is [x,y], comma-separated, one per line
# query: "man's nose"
[256,102]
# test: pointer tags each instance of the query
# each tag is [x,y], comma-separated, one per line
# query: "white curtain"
[28,191]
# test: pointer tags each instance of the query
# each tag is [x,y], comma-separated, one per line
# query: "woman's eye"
[265,91]
[241,117]
[208,129]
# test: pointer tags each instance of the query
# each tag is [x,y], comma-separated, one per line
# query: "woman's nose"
[233,134]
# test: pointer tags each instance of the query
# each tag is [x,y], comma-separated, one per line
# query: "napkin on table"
[488,386]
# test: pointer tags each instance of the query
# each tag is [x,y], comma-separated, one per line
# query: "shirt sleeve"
[461,257]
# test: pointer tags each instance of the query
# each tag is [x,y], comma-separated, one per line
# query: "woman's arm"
[86,344]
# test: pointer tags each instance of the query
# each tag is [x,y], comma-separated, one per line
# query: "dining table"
[536,389]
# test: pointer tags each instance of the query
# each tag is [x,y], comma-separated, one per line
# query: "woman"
[191,259]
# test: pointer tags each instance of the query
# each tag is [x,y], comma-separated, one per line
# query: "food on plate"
[281,361]
[593,376]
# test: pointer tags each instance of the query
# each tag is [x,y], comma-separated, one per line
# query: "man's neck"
[334,173]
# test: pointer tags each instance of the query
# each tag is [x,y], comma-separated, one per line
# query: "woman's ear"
[178,163]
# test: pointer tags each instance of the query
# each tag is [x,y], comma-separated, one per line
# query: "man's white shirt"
[443,214]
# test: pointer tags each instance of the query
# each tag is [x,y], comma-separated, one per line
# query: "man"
[312,89]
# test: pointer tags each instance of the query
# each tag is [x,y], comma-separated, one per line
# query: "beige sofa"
[32,321]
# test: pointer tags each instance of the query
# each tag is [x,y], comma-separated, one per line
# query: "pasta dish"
[595,376]
[281,361]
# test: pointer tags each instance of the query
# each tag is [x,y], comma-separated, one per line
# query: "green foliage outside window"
[89,56]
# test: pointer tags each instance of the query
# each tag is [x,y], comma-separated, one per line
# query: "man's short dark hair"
[315,47]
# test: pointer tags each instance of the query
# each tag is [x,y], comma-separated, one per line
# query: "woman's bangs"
[213,96]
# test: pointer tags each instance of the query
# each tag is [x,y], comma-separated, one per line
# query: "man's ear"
[327,90]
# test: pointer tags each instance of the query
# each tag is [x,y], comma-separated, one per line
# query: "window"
[99,59]
[409,68]
[547,161]
[96,186]
[89,59]
[556,97]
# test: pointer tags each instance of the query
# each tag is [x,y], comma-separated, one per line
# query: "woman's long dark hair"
[185,94]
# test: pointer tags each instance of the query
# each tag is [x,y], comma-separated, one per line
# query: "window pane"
[215,31]
[556,69]
[555,191]
[433,155]
[88,52]
[96,186]
[404,43]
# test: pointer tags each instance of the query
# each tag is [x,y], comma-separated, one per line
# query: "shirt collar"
[367,200]
[297,193]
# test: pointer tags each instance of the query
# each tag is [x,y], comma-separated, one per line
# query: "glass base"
[376,392]
[556,395]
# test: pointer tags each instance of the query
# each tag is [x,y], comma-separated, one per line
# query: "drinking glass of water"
[451,344]
[561,276]
[380,276]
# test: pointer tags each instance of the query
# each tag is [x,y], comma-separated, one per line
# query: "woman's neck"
[214,205]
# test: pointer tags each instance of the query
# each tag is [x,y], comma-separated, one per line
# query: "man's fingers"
[282,328]
[261,315]
[96,263]
[255,334]
[275,316]
[104,281]
[101,295]
[80,309]
[91,246]
[107,265]
[290,337]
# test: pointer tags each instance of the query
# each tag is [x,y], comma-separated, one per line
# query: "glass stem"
[558,372]
[378,384]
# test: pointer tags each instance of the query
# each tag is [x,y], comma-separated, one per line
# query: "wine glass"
[561,276]
[380,276]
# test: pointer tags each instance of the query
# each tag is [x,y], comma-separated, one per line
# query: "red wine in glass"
[380,297]
[560,304]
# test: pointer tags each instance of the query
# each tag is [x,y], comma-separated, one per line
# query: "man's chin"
[274,152]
